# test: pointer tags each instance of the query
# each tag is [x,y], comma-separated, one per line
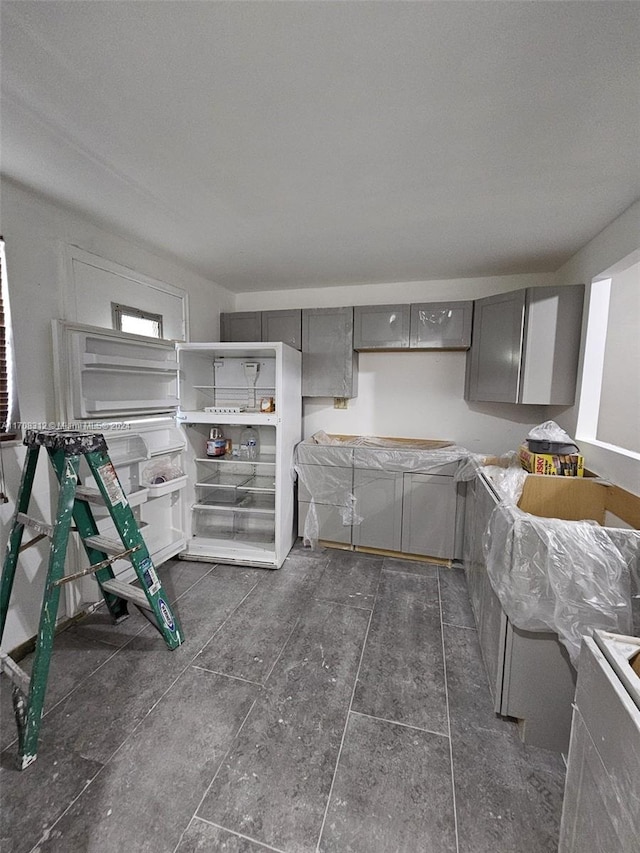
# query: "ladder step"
[126,591]
[90,494]
[15,674]
[35,524]
[104,544]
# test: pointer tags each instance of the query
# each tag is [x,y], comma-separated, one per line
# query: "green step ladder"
[65,450]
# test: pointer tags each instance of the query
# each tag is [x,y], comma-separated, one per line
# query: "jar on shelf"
[216,443]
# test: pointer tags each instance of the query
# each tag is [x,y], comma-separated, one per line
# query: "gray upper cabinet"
[441,325]
[329,364]
[241,326]
[525,346]
[381,327]
[285,326]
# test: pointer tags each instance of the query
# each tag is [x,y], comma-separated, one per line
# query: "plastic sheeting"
[324,464]
[569,577]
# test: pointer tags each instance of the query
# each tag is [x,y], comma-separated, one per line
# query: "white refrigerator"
[156,403]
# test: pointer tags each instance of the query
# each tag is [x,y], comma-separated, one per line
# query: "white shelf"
[259,483]
[240,418]
[96,360]
[156,490]
[263,459]
[253,504]
[133,406]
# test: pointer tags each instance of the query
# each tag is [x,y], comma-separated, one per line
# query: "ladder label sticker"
[112,485]
[167,618]
[150,577]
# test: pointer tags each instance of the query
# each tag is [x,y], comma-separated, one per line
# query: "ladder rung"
[16,675]
[104,544]
[90,494]
[35,524]
[126,591]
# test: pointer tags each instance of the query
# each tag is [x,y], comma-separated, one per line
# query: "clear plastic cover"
[324,467]
[550,574]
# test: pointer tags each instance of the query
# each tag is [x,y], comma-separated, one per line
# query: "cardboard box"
[568,465]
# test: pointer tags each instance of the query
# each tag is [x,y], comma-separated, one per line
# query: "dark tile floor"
[339,704]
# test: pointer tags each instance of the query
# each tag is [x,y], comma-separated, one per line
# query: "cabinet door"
[381,327]
[429,515]
[285,326]
[329,364]
[241,326]
[495,358]
[329,520]
[378,496]
[441,325]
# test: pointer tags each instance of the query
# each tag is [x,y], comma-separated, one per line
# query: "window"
[8,397]
[610,400]
[126,319]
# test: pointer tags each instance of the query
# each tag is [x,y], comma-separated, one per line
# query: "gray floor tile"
[410,567]
[503,806]
[99,626]
[392,792]
[274,785]
[350,579]
[203,837]
[402,672]
[249,643]
[32,799]
[177,576]
[470,703]
[456,607]
[73,659]
[146,795]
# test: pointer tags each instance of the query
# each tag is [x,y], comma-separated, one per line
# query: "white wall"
[417,394]
[617,241]
[36,232]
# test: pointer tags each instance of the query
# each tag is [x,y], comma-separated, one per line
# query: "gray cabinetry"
[428,515]
[441,325]
[529,673]
[238,326]
[378,495]
[381,327]
[326,473]
[329,364]
[525,346]
[600,812]
[285,326]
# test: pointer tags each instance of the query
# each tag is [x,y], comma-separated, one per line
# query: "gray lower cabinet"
[329,363]
[381,327]
[378,495]
[326,473]
[241,326]
[530,675]
[525,346]
[601,807]
[441,325]
[405,512]
[429,515]
[285,326]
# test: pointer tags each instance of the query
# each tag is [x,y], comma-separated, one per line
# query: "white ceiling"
[294,144]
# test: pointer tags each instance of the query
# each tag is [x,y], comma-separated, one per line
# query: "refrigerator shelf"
[238,418]
[263,459]
[259,483]
[93,360]
[167,403]
[251,504]
[224,480]
[156,490]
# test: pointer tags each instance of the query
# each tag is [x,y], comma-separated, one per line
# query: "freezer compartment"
[226,377]
[103,373]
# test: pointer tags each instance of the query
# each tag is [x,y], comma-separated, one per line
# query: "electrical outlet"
[340,402]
